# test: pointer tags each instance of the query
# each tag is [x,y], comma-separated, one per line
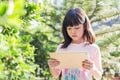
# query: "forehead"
[80,25]
[74,19]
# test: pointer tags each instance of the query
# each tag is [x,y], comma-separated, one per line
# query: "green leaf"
[3,8]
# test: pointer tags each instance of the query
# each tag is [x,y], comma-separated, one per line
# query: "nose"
[73,31]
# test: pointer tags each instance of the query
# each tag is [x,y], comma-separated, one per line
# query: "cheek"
[80,32]
[68,32]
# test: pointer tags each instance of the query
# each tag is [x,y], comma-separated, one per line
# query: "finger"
[88,62]
[87,66]
[53,59]
[54,64]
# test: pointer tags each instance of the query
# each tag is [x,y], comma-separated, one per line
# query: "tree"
[16,54]
[49,33]
[108,40]
[39,25]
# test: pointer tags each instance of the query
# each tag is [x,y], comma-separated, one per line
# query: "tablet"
[70,60]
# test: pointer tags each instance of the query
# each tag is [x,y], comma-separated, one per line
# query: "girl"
[78,37]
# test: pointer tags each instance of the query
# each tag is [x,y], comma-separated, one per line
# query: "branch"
[106,16]
[111,29]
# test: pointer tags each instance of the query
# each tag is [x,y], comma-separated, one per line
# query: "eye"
[77,27]
[68,28]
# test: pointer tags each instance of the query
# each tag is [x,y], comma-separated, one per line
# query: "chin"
[75,39]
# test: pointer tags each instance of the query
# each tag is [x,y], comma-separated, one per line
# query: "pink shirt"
[83,74]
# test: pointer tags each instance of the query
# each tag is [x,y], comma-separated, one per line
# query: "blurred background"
[30,29]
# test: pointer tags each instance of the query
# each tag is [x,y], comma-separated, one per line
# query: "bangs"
[73,19]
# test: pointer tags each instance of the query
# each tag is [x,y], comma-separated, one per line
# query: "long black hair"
[74,17]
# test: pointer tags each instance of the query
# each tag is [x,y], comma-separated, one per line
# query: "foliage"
[16,54]
[30,30]
[42,40]
[47,36]
[109,43]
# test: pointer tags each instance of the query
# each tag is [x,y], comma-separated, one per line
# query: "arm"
[55,72]
[97,74]
[97,67]
[52,66]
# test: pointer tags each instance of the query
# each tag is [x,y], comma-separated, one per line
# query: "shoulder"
[93,47]
[59,47]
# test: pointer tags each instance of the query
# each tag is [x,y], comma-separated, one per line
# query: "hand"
[87,64]
[53,63]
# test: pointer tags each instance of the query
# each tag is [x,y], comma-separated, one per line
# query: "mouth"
[74,35]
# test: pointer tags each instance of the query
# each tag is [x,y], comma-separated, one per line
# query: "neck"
[78,42]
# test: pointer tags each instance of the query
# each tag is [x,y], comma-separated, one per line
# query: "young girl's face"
[76,33]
